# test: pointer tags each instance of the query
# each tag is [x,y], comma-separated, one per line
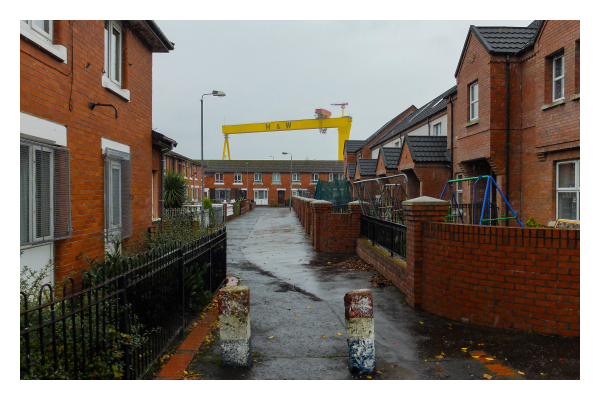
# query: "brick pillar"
[356,212]
[416,211]
[319,208]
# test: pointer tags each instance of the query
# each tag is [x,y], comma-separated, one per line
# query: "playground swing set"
[487,200]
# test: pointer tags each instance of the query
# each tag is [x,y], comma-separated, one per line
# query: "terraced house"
[267,182]
[85,137]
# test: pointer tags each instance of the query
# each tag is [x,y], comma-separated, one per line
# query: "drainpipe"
[451,137]
[506,147]
[428,128]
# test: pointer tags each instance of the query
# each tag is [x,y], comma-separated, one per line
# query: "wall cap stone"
[425,201]
[321,202]
[354,203]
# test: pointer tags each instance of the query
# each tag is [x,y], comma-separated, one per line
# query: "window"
[117,192]
[222,194]
[237,178]
[459,189]
[258,177]
[113,51]
[44,28]
[567,190]
[340,176]
[218,178]
[296,178]
[397,144]
[474,101]
[276,177]
[437,129]
[45,209]
[314,177]
[335,176]
[558,78]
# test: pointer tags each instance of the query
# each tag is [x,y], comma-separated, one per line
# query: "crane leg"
[226,147]
[343,135]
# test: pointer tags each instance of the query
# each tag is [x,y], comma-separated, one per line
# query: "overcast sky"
[282,70]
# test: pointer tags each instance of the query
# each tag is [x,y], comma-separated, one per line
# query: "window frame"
[49,36]
[296,174]
[555,78]
[473,103]
[576,189]
[312,177]
[459,188]
[108,50]
[218,177]
[259,175]
[32,189]
[276,177]
[235,178]
[437,129]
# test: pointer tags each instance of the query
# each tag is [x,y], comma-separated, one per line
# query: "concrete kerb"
[234,312]
[360,330]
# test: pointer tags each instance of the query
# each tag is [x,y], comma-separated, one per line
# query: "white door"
[261,197]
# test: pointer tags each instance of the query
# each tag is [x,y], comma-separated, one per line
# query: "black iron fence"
[471,213]
[125,315]
[389,235]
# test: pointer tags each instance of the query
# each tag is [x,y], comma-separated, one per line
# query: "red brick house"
[268,181]
[86,141]
[518,106]
[190,170]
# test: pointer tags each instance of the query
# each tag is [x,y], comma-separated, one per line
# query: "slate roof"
[281,166]
[433,107]
[385,126]
[391,157]
[351,170]
[427,148]
[367,167]
[503,39]
[181,157]
[353,146]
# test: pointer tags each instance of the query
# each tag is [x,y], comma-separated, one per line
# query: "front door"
[261,197]
[281,197]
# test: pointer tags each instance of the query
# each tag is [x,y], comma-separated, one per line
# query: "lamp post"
[217,93]
[291,177]
[247,184]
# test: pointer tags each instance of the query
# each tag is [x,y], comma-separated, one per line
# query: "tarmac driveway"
[269,252]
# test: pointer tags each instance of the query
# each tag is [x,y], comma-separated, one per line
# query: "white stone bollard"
[234,311]
[360,330]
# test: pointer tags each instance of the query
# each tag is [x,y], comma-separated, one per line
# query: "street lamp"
[217,93]
[291,177]
[247,184]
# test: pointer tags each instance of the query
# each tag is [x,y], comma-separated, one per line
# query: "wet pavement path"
[269,252]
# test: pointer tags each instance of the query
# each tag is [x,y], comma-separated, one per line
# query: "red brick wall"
[267,183]
[45,90]
[510,278]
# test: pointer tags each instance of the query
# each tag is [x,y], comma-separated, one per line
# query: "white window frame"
[114,227]
[437,129]
[257,177]
[49,36]
[576,189]
[314,177]
[558,78]
[459,189]
[276,177]
[108,52]
[474,101]
[294,176]
[218,177]
[32,197]
[340,177]
[44,40]
[237,178]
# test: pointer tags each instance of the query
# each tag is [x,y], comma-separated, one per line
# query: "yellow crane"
[343,124]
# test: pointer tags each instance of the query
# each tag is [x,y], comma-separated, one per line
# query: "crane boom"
[343,124]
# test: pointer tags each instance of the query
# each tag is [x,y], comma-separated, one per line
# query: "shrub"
[532,223]
[176,189]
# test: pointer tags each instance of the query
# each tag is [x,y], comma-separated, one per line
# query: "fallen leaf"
[439,356]
[396,343]
[480,344]
[270,337]
[443,353]
[254,378]
[541,373]
[522,373]
[297,315]
[185,372]
[425,360]
[438,369]
[420,322]
[486,376]
[308,307]
[369,377]
[339,334]
[328,262]
[487,358]
[323,336]
[464,348]
[560,359]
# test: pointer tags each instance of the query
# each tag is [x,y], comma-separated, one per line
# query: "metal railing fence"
[382,198]
[391,236]
[70,337]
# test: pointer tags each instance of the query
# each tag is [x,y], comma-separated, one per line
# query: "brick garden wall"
[510,278]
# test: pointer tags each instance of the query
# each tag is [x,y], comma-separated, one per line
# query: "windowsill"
[238,184]
[554,104]
[471,123]
[314,183]
[37,244]
[257,183]
[219,183]
[113,87]
[576,96]
[276,183]
[296,183]
[56,50]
